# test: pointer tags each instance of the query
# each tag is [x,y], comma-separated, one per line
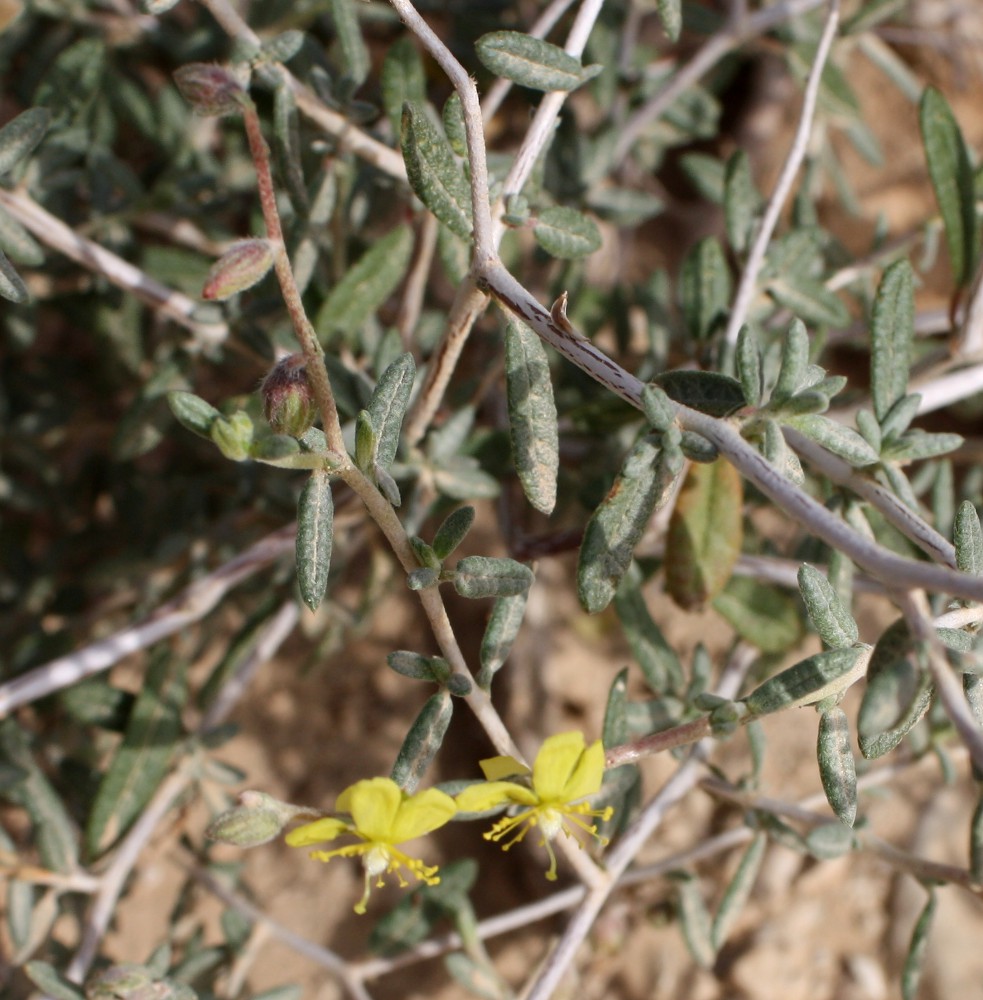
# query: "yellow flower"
[564,773]
[382,816]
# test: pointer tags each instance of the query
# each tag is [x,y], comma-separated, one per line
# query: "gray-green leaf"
[566,233]
[484,576]
[531,62]
[833,622]
[891,331]
[387,407]
[532,415]
[837,768]
[433,172]
[315,526]
[19,137]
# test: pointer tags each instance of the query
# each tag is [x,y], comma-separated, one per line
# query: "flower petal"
[373,805]
[318,832]
[587,775]
[419,814]
[496,768]
[489,794]
[555,765]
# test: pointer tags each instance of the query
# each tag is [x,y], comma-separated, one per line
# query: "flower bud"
[258,819]
[233,435]
[239,268]
[210,89]
[288,400]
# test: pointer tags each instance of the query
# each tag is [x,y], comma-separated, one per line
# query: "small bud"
[239,268]
[211,89]
[288,400]
[258,819]
[233,435]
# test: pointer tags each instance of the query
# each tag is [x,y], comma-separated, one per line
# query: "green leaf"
[452,118]
[709,392]
[500,632]
[419,667]
[315,526]
[193,413]
[659,412]
[366,285]
[741,201]
[705,287]
[614,732]
[54,830]
[697,448]
[911,974]
[833,622]
[452,531]
[705,534]
[952,178]
[795,363]
[829,841]
[837,768]
[51,982]
[18,243]
[143,759]
[658,661]
[355,55]
[402,79]
[917,445]
[738,890]
[834,437]
[423,741]
[809,299]
[613,531]
[624,206]
[808,681]
[761,614]
[897,419]
[748,362]
[483,576]
[531,62]
[891,331]
[694,920]
[671,15]
[968,539]
[898,693]
[532,415]
[566,233]
[19,137]
[11,286]
[433,172]
[387,407]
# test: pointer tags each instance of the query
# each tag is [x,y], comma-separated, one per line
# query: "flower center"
[550,822]
[376,860]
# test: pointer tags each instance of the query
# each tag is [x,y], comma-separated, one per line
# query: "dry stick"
[470,302]
[51,231]
[914,606]
[113,879]
[902,517]
[879,562]
[188,607]
[414,287]
[350,138]
[756,256]
[945,389]
[715,49]
[315,952]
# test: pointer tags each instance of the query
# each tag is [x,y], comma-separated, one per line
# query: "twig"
[469,302]
[914,606]
[324,957]
[901,516]
[348,136]
[114,878]
[713,51]
[52,232]
[188,607]
[411,299]
[756,255]
[950,388]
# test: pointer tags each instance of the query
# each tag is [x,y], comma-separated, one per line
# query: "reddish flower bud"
[211,89]
[239,268]
[288,400]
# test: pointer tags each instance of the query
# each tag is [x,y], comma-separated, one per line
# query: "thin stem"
[317,374]
[712,52]
[756,257]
